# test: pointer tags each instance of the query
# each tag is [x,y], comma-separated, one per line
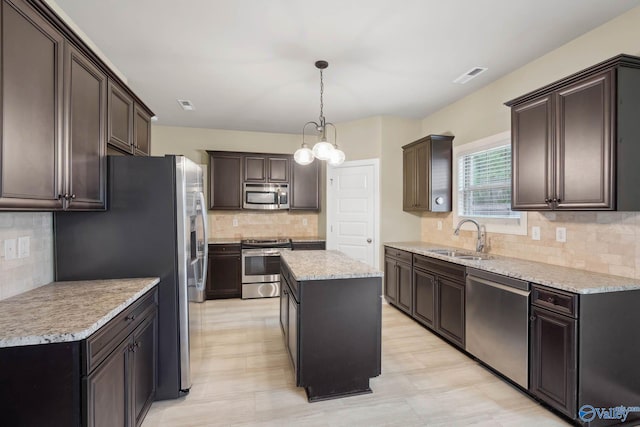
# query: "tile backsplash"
[603,242]
[262,224]
[22,274]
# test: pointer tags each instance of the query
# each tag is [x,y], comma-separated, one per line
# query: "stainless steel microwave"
[265,196]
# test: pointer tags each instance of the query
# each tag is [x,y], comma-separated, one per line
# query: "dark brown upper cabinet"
[426,167]
[32,156]
[225,180]
[85,111]
[141,131]
[120,118]
[573,141]
[266,168]
[304,191]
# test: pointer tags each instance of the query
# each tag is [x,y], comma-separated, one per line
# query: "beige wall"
[602,242]
[22,274]
[194,143]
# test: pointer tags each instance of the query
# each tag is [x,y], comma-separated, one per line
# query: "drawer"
[226,248]
[102,342]
[308,246]
[398,254]
[439,267]
[555,300]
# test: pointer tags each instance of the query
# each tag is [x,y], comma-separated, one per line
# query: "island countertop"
[553,276]
[66,311]
[326,265]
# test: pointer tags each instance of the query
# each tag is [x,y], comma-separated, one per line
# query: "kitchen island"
[330,313]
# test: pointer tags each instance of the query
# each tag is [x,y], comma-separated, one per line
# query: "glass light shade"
[322,150]
[303,155]
[337,157]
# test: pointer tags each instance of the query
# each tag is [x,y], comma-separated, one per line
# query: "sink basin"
[471,256]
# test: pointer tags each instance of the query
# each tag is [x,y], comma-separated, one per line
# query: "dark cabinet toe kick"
[336,390]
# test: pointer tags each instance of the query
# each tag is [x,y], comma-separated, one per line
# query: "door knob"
[369,240]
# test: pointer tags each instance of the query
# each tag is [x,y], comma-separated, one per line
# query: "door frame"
[331,243]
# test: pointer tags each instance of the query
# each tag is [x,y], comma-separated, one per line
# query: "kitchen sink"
[471,256]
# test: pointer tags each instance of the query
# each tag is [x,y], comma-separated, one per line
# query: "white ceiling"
[249,64]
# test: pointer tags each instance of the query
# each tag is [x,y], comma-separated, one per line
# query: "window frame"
[492,225]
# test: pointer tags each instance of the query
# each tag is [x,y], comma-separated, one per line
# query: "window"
[482,183]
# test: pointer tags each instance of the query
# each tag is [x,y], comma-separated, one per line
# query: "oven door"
[260,265]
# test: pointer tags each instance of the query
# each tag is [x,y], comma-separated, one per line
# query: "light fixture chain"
[321,92]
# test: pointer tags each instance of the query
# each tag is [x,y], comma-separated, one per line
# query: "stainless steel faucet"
[480,241]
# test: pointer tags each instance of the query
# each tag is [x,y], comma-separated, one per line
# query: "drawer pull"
[551,300]
[130,318]
[533,318]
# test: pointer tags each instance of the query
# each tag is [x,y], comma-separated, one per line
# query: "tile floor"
[242,377]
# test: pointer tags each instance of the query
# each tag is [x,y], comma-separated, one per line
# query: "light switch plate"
[439,225]
[23,246]
[235,222]
[10,249]
[561,234]
[535,233]
[304,222]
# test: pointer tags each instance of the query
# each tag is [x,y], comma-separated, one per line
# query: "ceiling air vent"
[474,72]
[186,105]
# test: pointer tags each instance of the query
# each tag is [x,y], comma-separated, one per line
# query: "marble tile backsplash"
[22,274]
[262,224]
[602,242]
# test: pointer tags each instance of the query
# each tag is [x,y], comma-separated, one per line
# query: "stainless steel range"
[261,266]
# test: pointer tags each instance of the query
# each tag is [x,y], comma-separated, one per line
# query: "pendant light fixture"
[323,149]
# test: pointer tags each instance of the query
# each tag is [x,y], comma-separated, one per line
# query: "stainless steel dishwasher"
[497,323]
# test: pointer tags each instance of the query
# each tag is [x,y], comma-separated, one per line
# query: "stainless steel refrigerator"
[155,225]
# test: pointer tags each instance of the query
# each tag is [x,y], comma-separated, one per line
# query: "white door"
[352,210]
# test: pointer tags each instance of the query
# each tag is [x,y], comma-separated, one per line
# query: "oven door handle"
[261,252]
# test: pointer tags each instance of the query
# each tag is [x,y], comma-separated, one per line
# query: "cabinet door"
[450,310]
[225,181]
[405,292]
[223,279]
[255,168]
[86,110]
[584,144]
[120,118]
[32,104]
[304,190]
[292,338]
[424,285]
[390,280]
[422,171]
[107,390]
[278,169]
[553,360]
[409,179]
[141,132]
[531,139]
[284,310]
[143,375]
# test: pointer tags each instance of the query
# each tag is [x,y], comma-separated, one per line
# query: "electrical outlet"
[561,234]
[535,233]
[10,249]
[235,222]
[23,247]
[304,222]
[439,225]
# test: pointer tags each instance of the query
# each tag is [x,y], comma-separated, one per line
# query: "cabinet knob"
[73,196]
[547,200]
[551,300]
[130,318]
[533,318]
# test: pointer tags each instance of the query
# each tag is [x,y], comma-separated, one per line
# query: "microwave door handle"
[205,230]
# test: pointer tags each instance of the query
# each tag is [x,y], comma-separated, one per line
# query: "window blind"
[484,183]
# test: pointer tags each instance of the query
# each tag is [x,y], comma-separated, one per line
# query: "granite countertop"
[66,311]
[326,265]
[563,278]
[224,240]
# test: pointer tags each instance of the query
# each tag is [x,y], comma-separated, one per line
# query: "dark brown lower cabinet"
[398,289]
[424,297]
[553,359]
[224,271]
[308,246]
[405,294]
[450,313]
[390,280]
[107,379]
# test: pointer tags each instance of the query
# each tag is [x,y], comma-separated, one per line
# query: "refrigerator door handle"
[203,215]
